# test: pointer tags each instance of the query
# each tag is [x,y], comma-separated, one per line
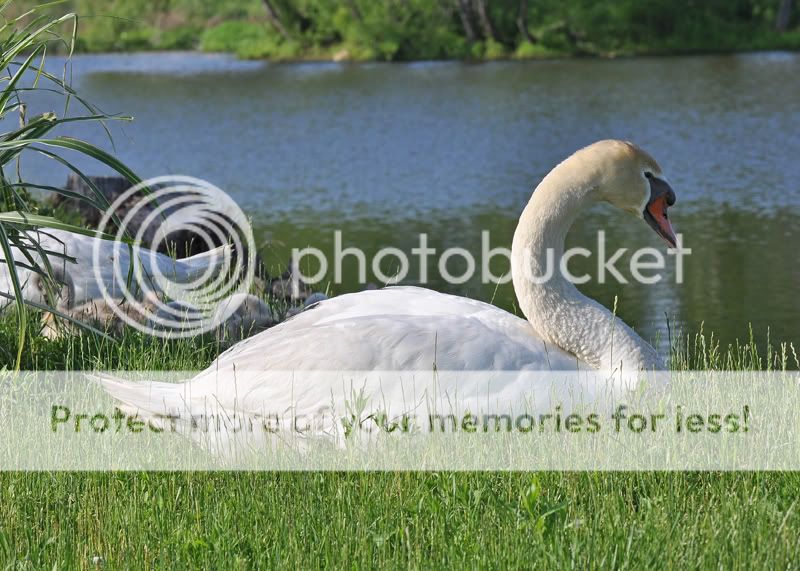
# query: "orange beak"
[655,213]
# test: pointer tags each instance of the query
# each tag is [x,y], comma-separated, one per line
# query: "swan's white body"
[80,277]
[402,329]
[415,329]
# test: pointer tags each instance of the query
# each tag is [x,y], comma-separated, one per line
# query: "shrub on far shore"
[230,36]
[180,38]
[528,50]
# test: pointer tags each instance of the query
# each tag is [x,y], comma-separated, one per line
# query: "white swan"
[79,284]
[415,329]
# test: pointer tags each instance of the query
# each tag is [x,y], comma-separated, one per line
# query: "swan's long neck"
[552,304]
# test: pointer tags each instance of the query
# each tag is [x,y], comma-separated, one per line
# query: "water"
[385,152]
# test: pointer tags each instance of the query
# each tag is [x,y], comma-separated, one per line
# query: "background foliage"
[434,29]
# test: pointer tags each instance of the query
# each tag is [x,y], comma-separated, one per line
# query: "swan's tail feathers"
[160,403]
[216,258]
[221,251]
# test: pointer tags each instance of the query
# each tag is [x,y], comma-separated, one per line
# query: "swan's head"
[630,179]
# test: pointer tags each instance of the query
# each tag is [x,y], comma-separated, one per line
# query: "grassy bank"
[427,29]
[242,521]
[251,520]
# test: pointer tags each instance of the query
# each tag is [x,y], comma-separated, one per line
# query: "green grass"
[309,520]
[421,520]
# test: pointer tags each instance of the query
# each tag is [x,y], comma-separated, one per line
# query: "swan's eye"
[648,174]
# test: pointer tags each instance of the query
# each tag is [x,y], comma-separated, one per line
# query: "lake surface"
[385,152]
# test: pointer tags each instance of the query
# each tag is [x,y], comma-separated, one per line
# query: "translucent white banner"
[399,420]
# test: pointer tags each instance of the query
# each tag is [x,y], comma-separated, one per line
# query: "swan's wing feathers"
[398,329]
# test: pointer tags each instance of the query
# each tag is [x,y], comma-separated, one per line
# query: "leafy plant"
[228,36]
[24,44]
